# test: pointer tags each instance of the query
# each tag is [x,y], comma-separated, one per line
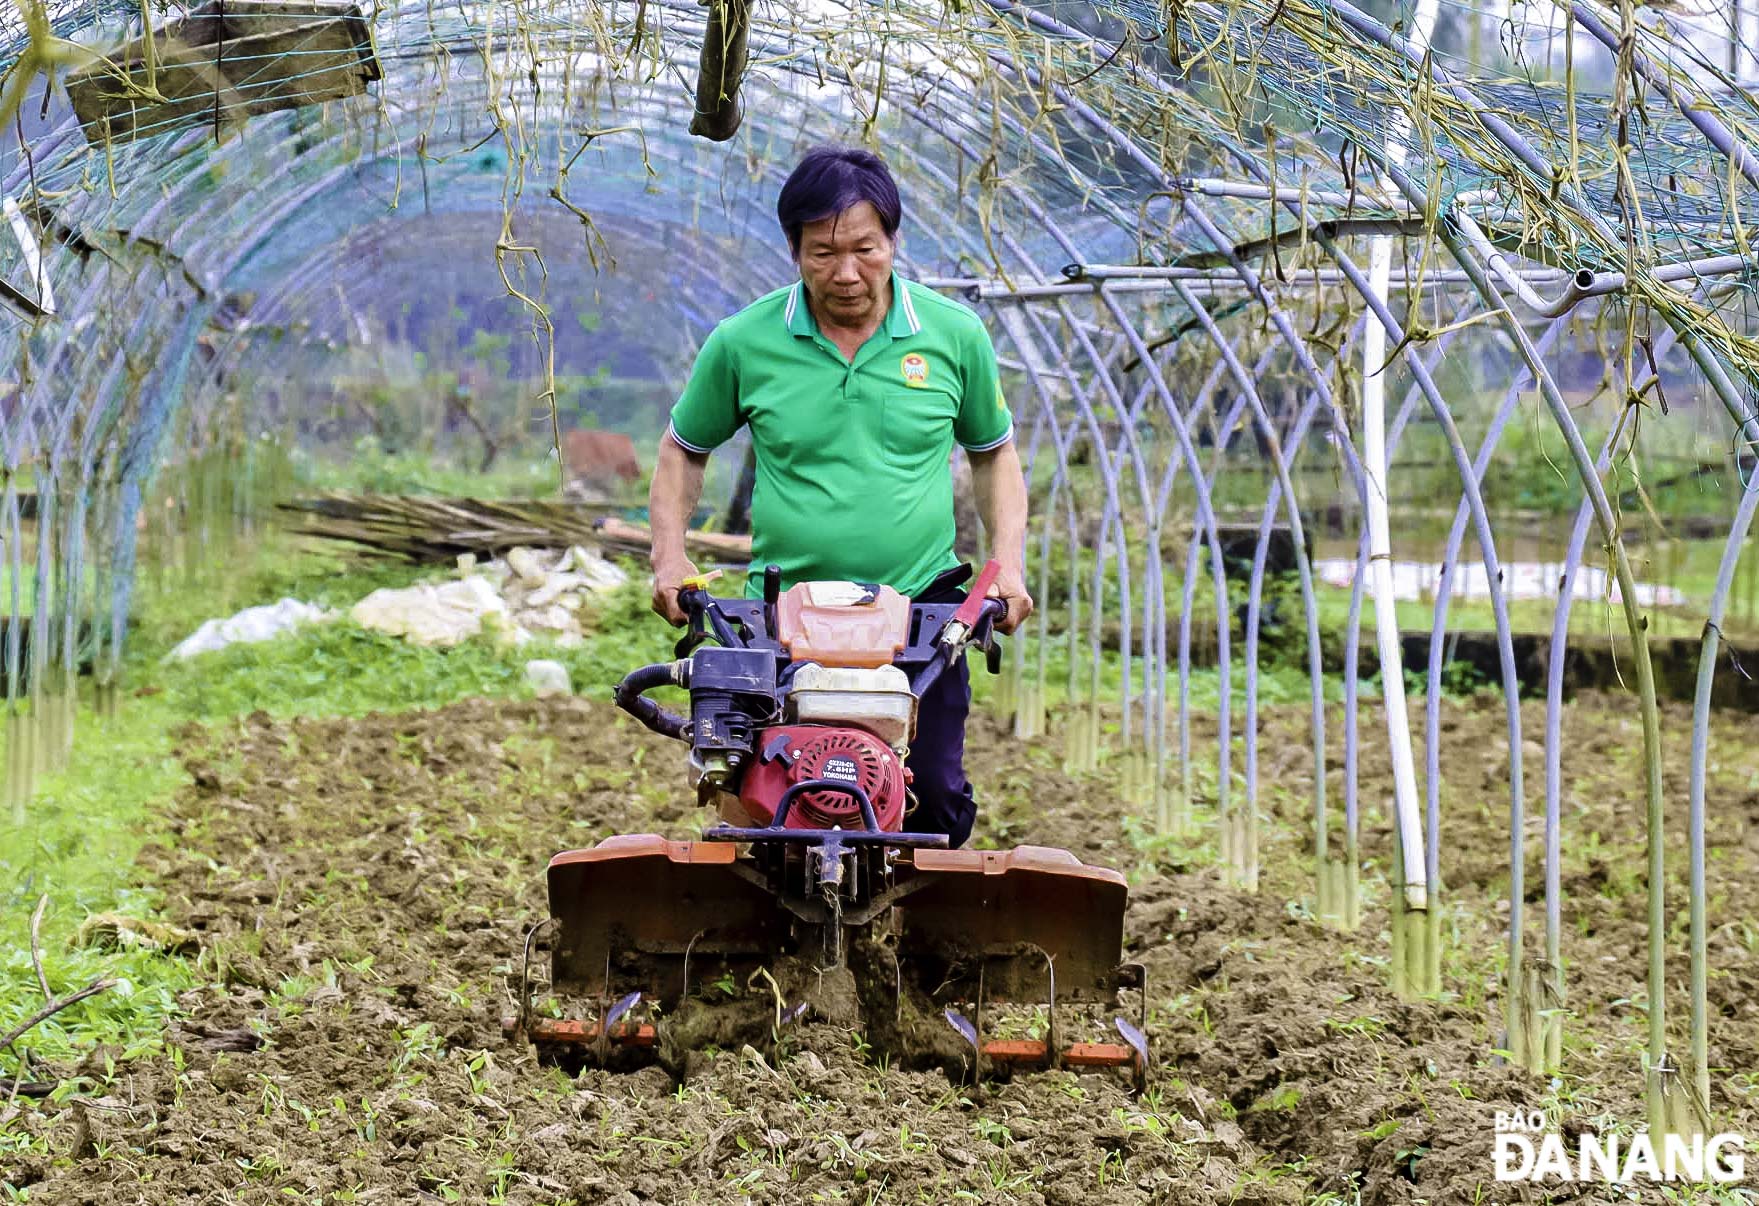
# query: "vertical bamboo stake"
[1072,692]
[1005,691]
[56,734]
[1417,948]
[1432,940]
[1083,751]
[17,776]
[1352,886]
[1397,955]
[42,624]
[1251,870]
[27,762]
[101,586]
[1352,744]
[1554,1020]
[1163,797]
[1514,1015]
[1188,587]
[1535,1023]
[13,802]
[69,715]
[1707,654]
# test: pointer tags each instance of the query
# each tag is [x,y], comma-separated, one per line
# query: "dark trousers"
[944,803]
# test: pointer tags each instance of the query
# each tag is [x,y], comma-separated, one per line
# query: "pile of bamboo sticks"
[431,529]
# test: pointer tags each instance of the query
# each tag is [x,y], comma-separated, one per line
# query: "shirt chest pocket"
[916,427]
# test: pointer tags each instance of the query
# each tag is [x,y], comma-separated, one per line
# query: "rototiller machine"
[802,707]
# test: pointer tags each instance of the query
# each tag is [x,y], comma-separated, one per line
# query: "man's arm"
[671,499]
[1000,488]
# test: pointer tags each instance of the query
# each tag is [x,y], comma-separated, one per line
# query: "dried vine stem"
[51,1009]
[37,947]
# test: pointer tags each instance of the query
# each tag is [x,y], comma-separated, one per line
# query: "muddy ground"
[361,888]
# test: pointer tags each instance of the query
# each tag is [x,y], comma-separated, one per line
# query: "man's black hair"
[832,179]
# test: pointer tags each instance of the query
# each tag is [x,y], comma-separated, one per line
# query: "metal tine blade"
[968,1032]
[1052,1050]
[1137,1040]
[525,991]
[1139,1044]
[620,1008]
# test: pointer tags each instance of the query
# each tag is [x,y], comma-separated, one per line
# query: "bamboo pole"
[439,529]
[1399,938]
[17,739]
[42,625]
[1374,466]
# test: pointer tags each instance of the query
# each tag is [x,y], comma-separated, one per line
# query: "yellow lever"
[699,581]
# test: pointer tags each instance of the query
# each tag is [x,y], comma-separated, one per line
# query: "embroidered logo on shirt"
[914,366]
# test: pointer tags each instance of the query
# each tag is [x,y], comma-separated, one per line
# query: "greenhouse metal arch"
[1159,220]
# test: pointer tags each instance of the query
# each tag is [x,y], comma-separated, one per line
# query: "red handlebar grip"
[973,605]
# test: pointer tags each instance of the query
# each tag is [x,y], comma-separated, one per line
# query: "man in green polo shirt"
[855,384]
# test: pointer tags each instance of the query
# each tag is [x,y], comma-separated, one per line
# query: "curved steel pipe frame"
[1068,350]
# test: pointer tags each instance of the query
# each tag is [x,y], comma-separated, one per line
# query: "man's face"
[846,263]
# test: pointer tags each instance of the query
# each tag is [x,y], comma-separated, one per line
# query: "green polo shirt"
[852,477]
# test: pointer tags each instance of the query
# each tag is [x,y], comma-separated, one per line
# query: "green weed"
[1368,1027]
[991,1131]
[1382,1129]
[1282,1099]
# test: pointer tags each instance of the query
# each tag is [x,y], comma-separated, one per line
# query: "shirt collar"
[796,314]
[901,320]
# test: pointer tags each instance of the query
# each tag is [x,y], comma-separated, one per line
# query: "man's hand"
[1010,588]
[668,581]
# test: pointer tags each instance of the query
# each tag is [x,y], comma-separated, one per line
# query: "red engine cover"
[790,754]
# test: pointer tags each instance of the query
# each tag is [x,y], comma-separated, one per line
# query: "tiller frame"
[743,893]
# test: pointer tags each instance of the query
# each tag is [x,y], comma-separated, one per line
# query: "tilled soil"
[362,887]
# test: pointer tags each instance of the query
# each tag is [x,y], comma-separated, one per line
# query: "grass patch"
[87,824]
[342,669]
[369,469]
[80,835]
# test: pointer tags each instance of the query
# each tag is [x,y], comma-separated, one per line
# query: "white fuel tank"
[876,699]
